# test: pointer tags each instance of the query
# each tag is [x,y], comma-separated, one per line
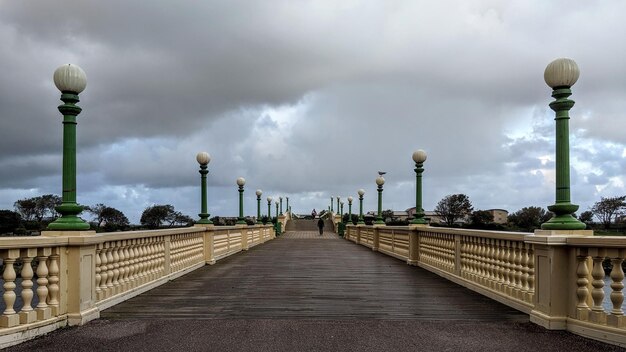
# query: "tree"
[609,208]
[9,221]
[38,208]
[481,218]
[529,218]
[97,211]
[155,216]
[152,217]
[180,219]
[453,207]
[387,215]
[26,208]
[113,219]
[586,217]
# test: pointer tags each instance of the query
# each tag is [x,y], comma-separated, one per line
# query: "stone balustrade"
[556,278]
[67,278]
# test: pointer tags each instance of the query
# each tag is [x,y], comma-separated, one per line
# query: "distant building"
[500,216]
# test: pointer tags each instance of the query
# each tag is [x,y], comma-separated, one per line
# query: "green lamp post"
[288,209]
[241,182]
[341,212]
[419,156]
[281,205]
[337,203]
[380,181]
[361,192]
[203,159]
[350,199]
[277,225]
[71,81]
[269,208]
[560,75]
[331,204]
[258,204]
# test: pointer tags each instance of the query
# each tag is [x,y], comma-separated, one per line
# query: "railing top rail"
[55,241]
[598,241]
[31,242]
[128,235]
[500,235]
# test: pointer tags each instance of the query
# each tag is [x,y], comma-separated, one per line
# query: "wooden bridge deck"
[306,276]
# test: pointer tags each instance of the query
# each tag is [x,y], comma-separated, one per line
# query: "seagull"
[382,172]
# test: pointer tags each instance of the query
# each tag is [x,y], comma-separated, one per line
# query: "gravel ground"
[309,335]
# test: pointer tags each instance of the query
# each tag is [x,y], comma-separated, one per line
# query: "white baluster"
[617,297]
[517,273]
[9,318]
[27,314]
[531,274]
[116,267]
[598,284]
[582,292]
[43,311]
[53,281]
[110,265]
[617,317]
[98,271]
[524,278]
[508,273]
[126,264]
[133,264]
[103,273]
[121,265]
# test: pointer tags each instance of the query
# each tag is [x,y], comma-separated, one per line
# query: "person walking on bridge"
[320,225]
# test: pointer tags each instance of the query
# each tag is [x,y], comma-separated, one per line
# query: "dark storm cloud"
[308,98]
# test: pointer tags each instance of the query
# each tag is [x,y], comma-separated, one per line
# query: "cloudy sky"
[309,99]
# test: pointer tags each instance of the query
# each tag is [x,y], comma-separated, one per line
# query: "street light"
[331,204]
[203,159]
[258,204]
[241,182]
[288,210]
[419,156]
[350,209]
[276,202]
[337,203]
[560,75]
[341,213]
[361,192]
[71,81]
[277,225]
[380,181]
[281,205]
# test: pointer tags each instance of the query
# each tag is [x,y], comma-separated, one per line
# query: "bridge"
[243,287]
[376,287]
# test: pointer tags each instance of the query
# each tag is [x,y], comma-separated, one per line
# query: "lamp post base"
[563,218]
[68,223]
[204,219]
[69,219]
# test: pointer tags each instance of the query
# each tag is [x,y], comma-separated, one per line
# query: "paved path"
[305,293]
